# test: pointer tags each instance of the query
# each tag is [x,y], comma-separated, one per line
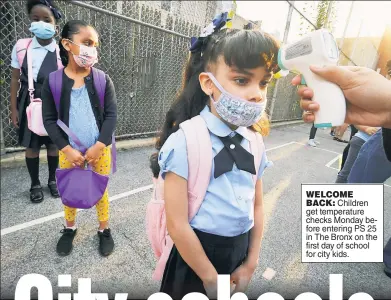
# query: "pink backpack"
[34,109]
[21,50]
[199,155]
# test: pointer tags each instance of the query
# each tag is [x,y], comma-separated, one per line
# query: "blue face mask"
[42,30]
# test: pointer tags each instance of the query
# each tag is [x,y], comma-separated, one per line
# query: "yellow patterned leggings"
[102,167]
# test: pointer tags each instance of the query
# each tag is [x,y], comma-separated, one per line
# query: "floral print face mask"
[235,110]
[88,56]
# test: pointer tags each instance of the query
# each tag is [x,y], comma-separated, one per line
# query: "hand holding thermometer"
[317,48]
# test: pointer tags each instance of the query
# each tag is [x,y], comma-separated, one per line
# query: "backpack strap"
[72,135]
[256,148]
[21,49]
[30,72]
[100,86]
[200,158]
[55,84]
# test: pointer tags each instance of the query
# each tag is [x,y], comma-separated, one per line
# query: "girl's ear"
[66,44]
[206,83]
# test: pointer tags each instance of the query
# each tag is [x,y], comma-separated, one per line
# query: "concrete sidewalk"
[29,232]
[17,159]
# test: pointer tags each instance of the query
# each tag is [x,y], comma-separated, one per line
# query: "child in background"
[80,110]
[45,59]
[311,140]
[355,144]
[225,82]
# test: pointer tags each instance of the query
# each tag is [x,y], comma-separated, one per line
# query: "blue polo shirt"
[228,207]
[38,53]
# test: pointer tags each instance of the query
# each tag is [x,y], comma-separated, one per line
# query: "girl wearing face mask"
[80,109]
[45,59]
[225,82]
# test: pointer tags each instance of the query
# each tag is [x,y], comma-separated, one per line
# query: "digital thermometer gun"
[317,48]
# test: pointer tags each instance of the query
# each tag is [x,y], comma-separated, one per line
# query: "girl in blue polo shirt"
[45,59]
[225,82]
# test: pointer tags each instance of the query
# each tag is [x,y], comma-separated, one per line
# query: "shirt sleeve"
[173,156]
[50,117]
[265,163]
[110,113]
[14,59]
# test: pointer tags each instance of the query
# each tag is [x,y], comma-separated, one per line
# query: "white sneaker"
[311,143]
[316,142]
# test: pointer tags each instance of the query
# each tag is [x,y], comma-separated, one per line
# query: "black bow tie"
[232,153]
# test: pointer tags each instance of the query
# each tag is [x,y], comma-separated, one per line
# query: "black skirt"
[28,138]
[225,253]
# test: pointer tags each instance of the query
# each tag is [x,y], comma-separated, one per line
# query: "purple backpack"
[81,187]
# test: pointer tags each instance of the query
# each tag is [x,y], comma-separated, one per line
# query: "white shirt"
[38,54]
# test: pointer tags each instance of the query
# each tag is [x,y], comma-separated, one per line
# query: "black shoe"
[65,243]
[53,189]
[36,194]
[106,242]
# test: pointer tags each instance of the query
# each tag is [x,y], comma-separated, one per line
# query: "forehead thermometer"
[317,48]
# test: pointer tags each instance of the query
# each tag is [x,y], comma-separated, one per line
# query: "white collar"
[51,47]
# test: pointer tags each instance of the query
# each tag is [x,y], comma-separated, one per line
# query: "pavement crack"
[25,259]
[32,249]
[143,256]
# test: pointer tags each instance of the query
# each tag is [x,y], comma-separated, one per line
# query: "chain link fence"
[143,49]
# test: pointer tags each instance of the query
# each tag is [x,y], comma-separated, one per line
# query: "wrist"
[251,264]
[210,277]
[100,145]
[66,149]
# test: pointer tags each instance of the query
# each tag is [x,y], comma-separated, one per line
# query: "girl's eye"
[89,43]
[241,81]
[264,83]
